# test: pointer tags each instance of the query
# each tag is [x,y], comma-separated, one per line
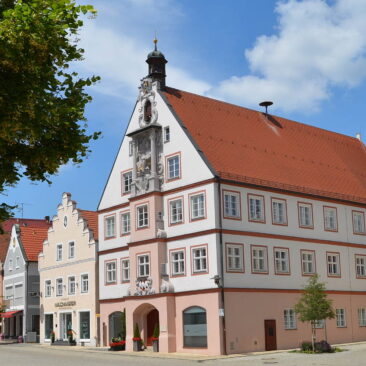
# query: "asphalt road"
[34,355]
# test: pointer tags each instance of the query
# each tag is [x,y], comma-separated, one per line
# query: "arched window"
[194,327]
[147,111]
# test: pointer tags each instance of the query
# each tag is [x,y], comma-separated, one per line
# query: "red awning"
[10,314]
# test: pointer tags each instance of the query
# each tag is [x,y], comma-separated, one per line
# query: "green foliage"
[156,331]
[136,331]
[123,325]
[306,346]
[42,102]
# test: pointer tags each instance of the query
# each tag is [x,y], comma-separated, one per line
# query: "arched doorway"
[147,317]
[152,320]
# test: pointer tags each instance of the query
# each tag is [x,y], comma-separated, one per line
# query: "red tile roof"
[92,218]
[4,245]
[32,239]
[244,145]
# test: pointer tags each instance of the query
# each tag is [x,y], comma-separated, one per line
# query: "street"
[35,355]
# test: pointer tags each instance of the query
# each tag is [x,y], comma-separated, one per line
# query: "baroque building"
[213,218]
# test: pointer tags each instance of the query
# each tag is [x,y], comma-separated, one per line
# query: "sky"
[307,56]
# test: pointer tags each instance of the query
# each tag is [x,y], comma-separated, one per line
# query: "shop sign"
[62,304]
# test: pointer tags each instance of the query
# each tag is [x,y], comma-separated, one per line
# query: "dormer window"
[147,111]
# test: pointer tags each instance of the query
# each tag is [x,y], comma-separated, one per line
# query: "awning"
[10,314]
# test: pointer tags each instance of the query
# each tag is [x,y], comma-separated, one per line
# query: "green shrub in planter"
[306,346]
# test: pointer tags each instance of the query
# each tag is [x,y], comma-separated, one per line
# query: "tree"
[314,305]
[42,102]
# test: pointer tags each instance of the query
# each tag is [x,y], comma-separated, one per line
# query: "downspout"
[221,274]
[25,312]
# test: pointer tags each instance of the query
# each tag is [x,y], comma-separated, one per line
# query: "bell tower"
[156,61]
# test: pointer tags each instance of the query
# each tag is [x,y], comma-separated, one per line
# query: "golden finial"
[155,42]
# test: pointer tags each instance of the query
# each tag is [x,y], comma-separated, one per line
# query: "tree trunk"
[313,336]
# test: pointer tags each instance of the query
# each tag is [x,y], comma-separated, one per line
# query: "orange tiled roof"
[244,145]
[4,245]
[92,218]
[32,239]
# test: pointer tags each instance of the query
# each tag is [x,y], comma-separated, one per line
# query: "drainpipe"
[221,274]
[25,311]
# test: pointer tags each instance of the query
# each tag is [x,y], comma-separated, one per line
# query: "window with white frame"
[17,260]
[199,258]
[59,287]
[125,223]
[126,182]
[130,148]
[125,265]
[358,222]
[173,167]
[71,285]
[308,262]
[234,257]
[259,259]
[360,266]
[198,206]
[110,227]
[111,272]
[289,318]
[166,134]
[319,324]
[330,218]
[9,294]
[143,262]
[59,252]
[178,261]
[47,288]
[305,215]
[176,211]
[256,208]
[341,318]
[10,264]
[84,279]
[279,212]
[232,204]
[362,317]
[142,216]
[282,264]
[71,249]
[333,263]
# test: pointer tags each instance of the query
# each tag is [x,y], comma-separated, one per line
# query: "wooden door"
[270,334]
[152,320]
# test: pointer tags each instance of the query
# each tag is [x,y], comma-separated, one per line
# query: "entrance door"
[152,320]
[270,334]
[66,324]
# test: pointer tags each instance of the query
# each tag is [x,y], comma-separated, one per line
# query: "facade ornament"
[166,286]
[144,286]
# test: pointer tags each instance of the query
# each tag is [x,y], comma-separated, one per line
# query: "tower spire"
[156,61]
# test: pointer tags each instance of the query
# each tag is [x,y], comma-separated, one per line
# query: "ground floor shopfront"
[256,320]
[12,324]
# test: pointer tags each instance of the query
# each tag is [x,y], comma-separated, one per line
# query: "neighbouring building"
[21,278]
[213,218]
[68,267]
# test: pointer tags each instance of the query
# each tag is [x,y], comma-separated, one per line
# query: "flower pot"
[117,346]
[155,344]
[137,345]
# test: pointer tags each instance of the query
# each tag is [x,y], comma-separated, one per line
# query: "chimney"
[358,136]
[47,218]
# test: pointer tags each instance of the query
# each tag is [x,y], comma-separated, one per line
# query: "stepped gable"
[92,218]
[245,145]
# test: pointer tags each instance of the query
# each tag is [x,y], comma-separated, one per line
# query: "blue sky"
[308,56]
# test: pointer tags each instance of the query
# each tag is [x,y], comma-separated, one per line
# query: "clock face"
[65,221]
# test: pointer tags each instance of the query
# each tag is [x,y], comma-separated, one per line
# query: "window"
[143,262]
[59,252]
[194,327]
[130,148]
[305,215]
[282,265]
[232,205]
[142,216]
[330,218]
[362,317]
[319,324]
[84,283]
[360,266]
[199,256]
[166,134]
[8,292]
[234,258]
[173,167]
[256,208]
[147,111]
[358,222]
[59,287]
[177,260]
[48,328]
[308,262]
[289,318]
[125,223]
[111,272]
[71,249]
[333,263]
[198,206]
[110,227]
[279,212]
[259,259]
[17,262]
[47,288]
[84,317]
[341,318]
[72,285]
[176,211]
[126,182]
[10,264]
[125,265]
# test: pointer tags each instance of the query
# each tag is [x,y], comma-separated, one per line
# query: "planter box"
[137,346]
[155,344]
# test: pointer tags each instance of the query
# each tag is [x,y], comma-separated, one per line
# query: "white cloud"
[318,45]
